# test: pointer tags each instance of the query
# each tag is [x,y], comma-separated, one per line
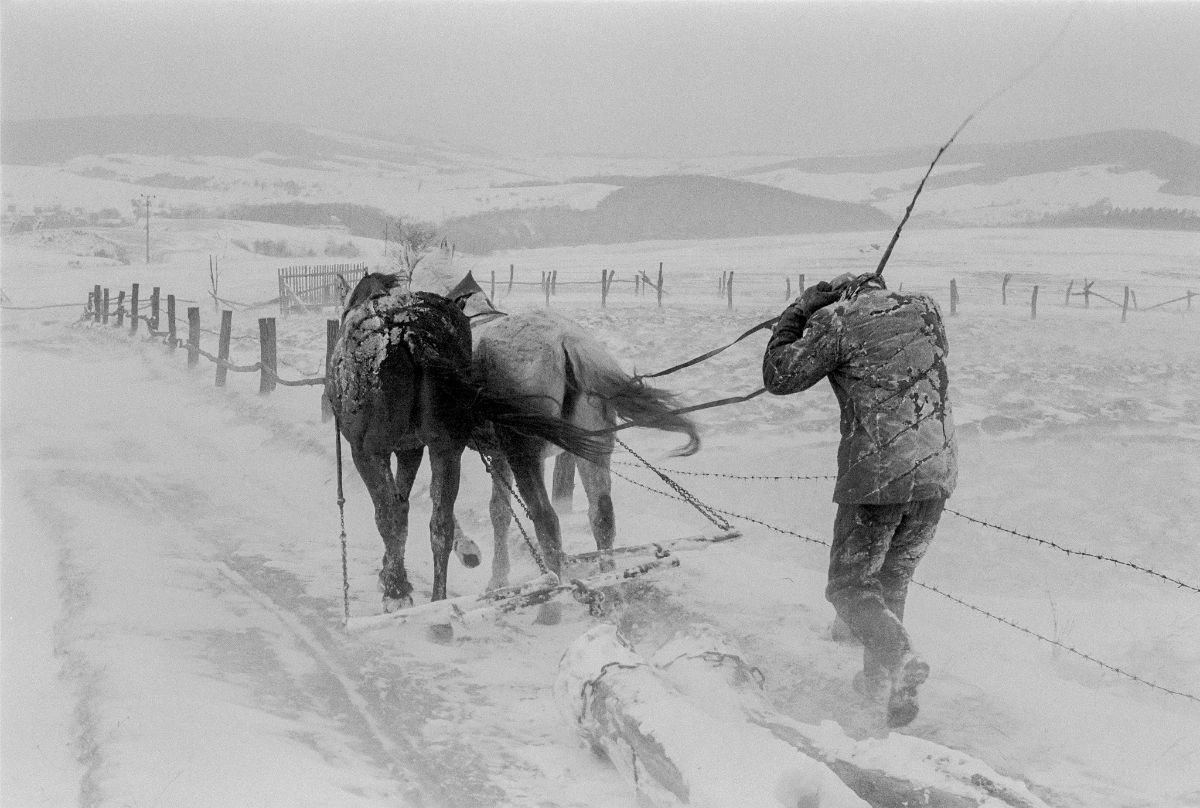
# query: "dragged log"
[898,770]
[671,751]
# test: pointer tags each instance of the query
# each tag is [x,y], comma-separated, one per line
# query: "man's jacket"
[885,356]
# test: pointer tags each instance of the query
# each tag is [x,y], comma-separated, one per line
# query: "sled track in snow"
[405,761]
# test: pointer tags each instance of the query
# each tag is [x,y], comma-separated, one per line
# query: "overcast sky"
[625,78]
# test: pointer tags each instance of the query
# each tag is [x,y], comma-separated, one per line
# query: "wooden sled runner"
[697,542]
[474,609]
[471,609]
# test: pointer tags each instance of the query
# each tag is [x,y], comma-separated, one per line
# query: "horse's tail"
[630,398]
[515,412]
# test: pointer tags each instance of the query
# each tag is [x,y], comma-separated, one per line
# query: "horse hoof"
[396,604]
[467,552]
[440,633]
[549,614]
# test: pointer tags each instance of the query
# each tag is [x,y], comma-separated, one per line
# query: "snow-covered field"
[172,586]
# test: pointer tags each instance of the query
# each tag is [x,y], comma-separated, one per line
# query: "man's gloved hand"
[791,322]
[816,297]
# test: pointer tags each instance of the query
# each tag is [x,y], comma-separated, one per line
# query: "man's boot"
[907,676]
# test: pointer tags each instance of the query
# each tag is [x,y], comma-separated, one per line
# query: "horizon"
[618,79]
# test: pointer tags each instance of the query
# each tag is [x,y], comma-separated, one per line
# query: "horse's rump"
[572,375]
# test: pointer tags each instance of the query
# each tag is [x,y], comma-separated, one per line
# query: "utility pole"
[147,198]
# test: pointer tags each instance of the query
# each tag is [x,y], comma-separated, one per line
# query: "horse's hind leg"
[527,468]
[390,498]
[500,509]
[445,462]
[597,483]
[562,488]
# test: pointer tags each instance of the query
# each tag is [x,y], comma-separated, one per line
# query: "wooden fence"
[758,286]
[314,287]
[160,320]
[304,288]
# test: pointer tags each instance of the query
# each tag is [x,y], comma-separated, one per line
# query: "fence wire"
[930,587]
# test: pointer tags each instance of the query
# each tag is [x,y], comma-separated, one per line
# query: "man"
[884,354]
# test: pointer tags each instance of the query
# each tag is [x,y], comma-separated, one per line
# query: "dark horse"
[401,379]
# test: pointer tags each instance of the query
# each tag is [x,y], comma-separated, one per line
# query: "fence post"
[223,347]
[266,354]
[953,297]
[660,284]
[1125,305]
[1033,304]
[171,341]
[800,284]
[787,295]
[492,296]
[154,293]
[546,287]
[1069,285]
[1133,297]
[121,308]
[554,283]
[193,336]
[510,279]
[133,310]
[1087,293]
[721,285]
[603,289]
[729,291]
[1004,289]
[96,304]
[103,313]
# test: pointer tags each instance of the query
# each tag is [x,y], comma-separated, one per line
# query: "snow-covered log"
[897,770]
[672,752]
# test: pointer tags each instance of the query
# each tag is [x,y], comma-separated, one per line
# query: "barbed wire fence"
[931,587]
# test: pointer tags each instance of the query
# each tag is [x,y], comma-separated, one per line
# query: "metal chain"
[594,599]
[341,503]
[708,513]
[533,548]
[775,477]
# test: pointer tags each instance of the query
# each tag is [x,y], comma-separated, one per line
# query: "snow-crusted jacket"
[885,356]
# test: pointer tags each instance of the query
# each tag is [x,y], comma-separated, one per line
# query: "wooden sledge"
[697,542]
[472,609]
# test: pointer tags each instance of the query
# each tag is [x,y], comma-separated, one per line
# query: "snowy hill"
[194,167]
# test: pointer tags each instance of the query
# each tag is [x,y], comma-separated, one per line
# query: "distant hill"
[1174,160]
[201,167]
[666,207]
[57,140]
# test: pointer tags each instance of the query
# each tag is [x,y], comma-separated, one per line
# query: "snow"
[172,575]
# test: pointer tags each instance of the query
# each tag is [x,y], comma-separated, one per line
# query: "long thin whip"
[987,103]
